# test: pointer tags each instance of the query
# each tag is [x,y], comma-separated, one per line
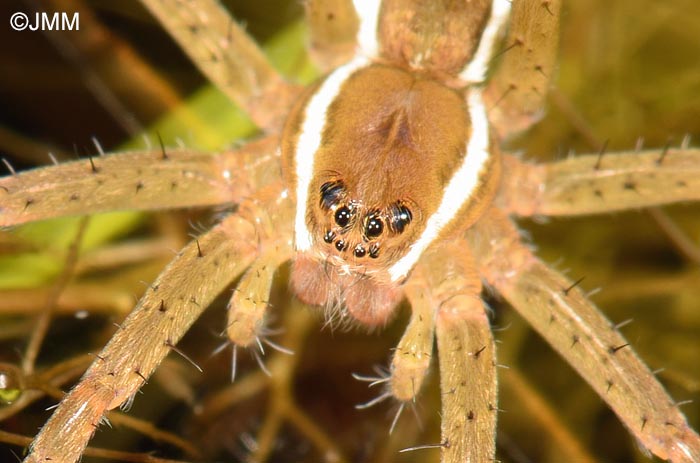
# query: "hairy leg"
[561,313]
[186,287]
[467,356]
[229,58]
[143,180]
[597,183]
[524,66]
[333,27]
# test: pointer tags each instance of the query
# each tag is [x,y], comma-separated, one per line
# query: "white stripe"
[475,70]
[460,189]
[368,13]
[309,142]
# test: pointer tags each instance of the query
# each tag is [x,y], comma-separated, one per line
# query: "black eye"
[329,237]
[342,216]
[359,251]
[400,217]
[374,227]
[331,194]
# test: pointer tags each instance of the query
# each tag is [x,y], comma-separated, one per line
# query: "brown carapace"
[391,143]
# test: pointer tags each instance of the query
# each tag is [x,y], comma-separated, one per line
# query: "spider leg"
[142,180]
[597,183]
[467,380]
[466,352]
[333,26]
[591,344]
[186,287]
[515,92]
[227,56]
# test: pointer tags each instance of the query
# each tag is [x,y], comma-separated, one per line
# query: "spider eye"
[342,216]
[374,227]
[359,251]
[331,194]
[400,217]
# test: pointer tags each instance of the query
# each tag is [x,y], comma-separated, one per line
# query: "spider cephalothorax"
[372,154]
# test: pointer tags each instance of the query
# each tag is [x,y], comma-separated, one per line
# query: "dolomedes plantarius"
[335,204]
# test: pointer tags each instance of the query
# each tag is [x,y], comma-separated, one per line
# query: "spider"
[360,243]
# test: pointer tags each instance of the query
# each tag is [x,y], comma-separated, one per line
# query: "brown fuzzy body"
[391,140]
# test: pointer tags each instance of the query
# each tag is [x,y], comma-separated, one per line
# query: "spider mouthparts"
[322,283]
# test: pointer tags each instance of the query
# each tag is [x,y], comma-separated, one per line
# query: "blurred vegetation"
[628,69]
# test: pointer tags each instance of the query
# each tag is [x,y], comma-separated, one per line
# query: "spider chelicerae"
[444,275]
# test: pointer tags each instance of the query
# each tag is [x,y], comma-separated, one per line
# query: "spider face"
[371,153]
[350,221]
